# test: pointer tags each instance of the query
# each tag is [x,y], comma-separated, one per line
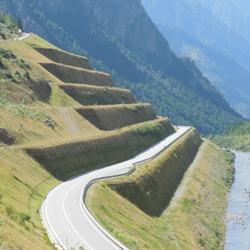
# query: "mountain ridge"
[215,47]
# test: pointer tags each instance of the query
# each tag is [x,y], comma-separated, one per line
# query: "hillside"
[191,219]
[209,32]
[86,135]
[236,137]
[120,39]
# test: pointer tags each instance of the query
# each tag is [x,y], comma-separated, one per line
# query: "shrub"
[7,54]
[201,241]
[23,218]
[10,210]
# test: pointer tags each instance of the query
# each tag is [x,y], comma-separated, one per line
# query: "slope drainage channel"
[238,212]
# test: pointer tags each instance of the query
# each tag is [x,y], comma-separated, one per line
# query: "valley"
[65,117]
[87,135]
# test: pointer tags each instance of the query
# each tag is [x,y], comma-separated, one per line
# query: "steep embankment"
[62,57]
[67,158]
[93,95]
[112,117]
[77,75]
[194,218]
[152,187]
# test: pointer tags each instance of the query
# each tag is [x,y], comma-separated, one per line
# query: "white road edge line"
[86,215]
[47,218]
[105,234]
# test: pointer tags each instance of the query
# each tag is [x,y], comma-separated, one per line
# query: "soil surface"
[238,213]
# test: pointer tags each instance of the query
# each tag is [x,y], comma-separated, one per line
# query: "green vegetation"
[21,110]
[19,24]
[8,26]
[235,137]
[7,57]
[194,218]
[1,226]
[154,129]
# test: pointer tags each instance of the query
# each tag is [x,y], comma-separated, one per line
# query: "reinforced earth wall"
[117,116]
[71,158]
[152,191]
[68,74]
[90,95]
[65,58]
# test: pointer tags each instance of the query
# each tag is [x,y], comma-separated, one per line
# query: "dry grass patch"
[59,98]
[27,125]
[23,185]
[184,224]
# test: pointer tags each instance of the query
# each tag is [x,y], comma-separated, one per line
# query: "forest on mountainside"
[129,47]
[215,34]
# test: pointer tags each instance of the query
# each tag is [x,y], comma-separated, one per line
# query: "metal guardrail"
[106,233]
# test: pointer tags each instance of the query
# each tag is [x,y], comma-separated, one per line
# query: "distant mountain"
[233,13]
[198,29]
[119,38]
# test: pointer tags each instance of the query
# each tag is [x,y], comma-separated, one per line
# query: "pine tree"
[19,24]
[2,17]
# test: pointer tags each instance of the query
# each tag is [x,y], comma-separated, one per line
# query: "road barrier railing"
[84,193]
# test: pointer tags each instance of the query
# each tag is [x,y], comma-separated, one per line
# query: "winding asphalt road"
[65,217]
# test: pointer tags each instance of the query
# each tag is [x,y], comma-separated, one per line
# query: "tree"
[19,24]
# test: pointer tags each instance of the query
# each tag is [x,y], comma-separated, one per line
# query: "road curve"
[63,213]
[22,37]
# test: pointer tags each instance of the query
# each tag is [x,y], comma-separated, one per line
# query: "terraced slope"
[90,95]
[65,58]
[69,74]
[39,82]
[112,117]
[63,159]
[96,124]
